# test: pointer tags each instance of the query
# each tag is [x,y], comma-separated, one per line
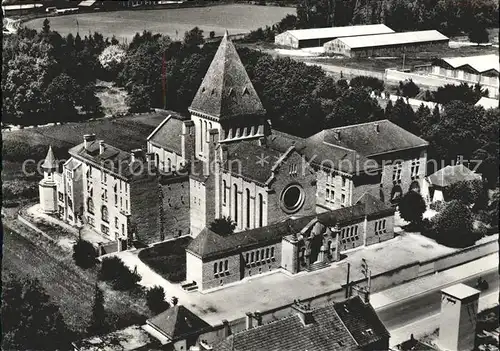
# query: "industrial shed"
[392,44]
[302,38]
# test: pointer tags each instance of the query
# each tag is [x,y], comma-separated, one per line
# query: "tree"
[403,115]
[478,34]
[463,92]
[155,298]
[372,83]
[139,100]
[61,94]
[30,321]
[354,106]
[111,59]
[193,37]
[223,226]
[84,254]
[412,207]
[409,89]
[98,319]
[423,119]
[212,34]
[471,192]
[453,225]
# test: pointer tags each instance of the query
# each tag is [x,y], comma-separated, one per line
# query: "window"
[247,257]
[292,170]
[116,222]
[267,253]
[380,227]
[262,254]
[257,256]
[415,166]
[235,216]
[123,229]
[226,266]
[272,252]
[343,199]
[397,169]
[247,195]
[104,214]
[90,205]
[116,199]
[224,192]
[61,196]
[215,268]
[344,182]
[169,164]
[220,267]
[252,257]
[104,194]
[261,210]
[292,198]
[104,229]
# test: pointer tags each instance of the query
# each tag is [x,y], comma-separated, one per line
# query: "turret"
[47,186]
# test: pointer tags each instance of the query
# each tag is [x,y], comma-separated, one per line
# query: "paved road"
[427,304]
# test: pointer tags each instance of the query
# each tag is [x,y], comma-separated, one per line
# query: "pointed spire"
[226,91]
[50,160]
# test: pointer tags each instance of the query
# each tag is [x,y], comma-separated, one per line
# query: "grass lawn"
[168,259]
[173,22]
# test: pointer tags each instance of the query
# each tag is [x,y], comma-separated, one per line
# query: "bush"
[437,206]
[113,270]
[155,298]
[84,254]
[367,82]
[453,225]
[408,89]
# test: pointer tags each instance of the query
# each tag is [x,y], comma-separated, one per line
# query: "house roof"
[50,160]
[367,41]
[328,330]
[209,244]
[480,63]
[178,322]
[168,134]
[337,32]
[114,160]
[226,91]
[451,175]
[367,141]
[488,103]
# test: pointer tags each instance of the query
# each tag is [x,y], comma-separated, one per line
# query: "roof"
[209,244]
[87,3]
[391,39]
[367,140]
[168,134]
[451,175]
[130,338]
[226,91]
[50,160]
[488,103]
[251,161]
[20,7]
[328,331]
[177,322]
[460,291]
[480,63]
[72,164]
[337,32]
[116,161]
[414,345]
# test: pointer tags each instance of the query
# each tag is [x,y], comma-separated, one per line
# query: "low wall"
[33,227]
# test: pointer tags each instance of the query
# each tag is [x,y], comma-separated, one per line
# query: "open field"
[173,22]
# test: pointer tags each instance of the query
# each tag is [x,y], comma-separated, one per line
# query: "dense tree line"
[50,78]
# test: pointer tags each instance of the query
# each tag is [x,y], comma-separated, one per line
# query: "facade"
[348,325]
[301,38]
[393,44]
[303,244]
[481,69]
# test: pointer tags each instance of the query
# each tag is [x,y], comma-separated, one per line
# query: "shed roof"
[480,63]
[337,32]
[367,41]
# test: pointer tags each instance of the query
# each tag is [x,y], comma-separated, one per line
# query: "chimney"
[225,328]
[135,155]
[102,147]
[188,140]
[87,139]
[304,312]
[249,321]
[213,140]
[258,317]
[337,135]
[377,127]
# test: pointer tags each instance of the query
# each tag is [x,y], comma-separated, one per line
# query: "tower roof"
[50,160]
[226,92]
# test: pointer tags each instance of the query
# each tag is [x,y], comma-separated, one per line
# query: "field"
[173,22]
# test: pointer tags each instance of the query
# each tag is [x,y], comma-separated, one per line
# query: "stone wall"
[264,264]
[176,205]
[144,209]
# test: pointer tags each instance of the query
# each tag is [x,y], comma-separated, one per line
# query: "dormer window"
[245,91]
[203,89]
[213,91]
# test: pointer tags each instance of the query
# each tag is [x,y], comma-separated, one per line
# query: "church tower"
[227,101]
[47,186]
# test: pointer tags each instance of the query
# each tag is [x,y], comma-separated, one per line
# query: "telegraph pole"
[347,293]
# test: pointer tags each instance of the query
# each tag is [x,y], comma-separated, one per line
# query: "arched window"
[226,265]
[235,205]
[261,210]
[272,252]
[220,266]
[215,268]
[224,192]
[90,205]
[205,134]
[267,253]
[169,164]
[247,194]
[257,255]
[104,214]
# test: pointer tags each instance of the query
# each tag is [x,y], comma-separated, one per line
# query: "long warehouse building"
[313,37]
[392,44]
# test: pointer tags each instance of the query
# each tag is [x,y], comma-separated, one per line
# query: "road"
[427,304]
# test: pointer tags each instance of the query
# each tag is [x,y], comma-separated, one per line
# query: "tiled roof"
[362,321]
[209,244]
[367,141]
[50,160]
[451,175]
[168,134]
[251,161]
[226,92]
[178,322]
[116,161]
[328,331]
